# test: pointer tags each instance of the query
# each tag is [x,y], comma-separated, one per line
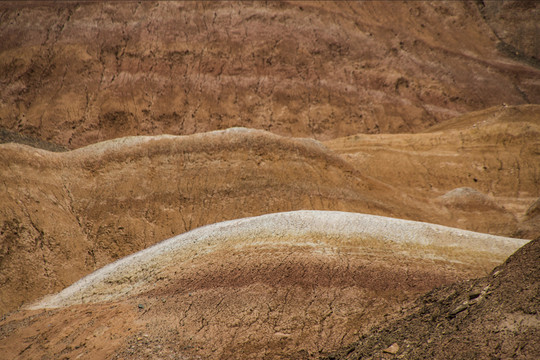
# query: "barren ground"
[67,214]
[288,285]
[497,316]
[76,74]
[122,125]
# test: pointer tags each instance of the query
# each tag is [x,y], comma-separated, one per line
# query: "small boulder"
[392,349]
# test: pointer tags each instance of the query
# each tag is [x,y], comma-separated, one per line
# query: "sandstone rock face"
[76,74]
[285,285]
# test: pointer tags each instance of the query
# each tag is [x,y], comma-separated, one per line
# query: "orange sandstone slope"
[279,286]
[479,171]
[64,215]
[79,73]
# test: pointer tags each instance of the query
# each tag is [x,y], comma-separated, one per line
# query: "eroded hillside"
[67,214]
[479,167]
[281,286]
[494,316]
[76,74]
[126,123]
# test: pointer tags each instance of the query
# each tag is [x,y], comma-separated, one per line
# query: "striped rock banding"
[327,231]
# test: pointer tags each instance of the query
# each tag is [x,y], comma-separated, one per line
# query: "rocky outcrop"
[494,316]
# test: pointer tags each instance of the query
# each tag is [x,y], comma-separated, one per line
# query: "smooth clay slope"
[285,285]
[497,316]
[64,215]
[79,73]
[479,171]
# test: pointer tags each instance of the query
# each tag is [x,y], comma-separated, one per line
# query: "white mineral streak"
[231,134]
[131,274]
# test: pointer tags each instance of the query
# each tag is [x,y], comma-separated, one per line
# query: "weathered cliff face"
[76,74]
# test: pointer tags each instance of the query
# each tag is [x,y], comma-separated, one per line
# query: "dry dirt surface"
[479,171]
[67,214]
[515,23]
[426,110]
[78,73]
[287,285]
[494,317]
[530,225]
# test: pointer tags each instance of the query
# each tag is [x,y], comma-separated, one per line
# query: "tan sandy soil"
[76,74]
[287,285]
[494,152]
[67,214]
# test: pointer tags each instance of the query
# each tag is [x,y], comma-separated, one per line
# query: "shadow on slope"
[492,317]
[8,136]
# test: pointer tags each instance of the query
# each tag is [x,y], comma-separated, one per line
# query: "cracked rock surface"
[286,285]
[493,316]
